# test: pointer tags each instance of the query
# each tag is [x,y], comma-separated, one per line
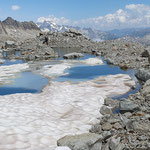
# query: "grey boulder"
[146,53]
[104,110]
[87,141]
[110,61]
[73,55]
[146,88]
[143,74]
[115,144]
[74,31]
[126,105]
[10,44]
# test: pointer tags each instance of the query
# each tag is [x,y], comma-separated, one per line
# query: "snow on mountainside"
[93,34]
[47,26]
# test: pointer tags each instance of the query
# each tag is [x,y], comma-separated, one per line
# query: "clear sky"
[73,10]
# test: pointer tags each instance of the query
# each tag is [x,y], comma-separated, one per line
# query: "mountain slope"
[131,32]
[11,29]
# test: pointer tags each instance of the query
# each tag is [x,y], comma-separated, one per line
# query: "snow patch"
[92,61]
[54,70]
[37,121]
[89,61]
[7,73]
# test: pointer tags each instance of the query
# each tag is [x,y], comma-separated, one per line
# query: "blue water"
[9,62]
[90,72]
[29,82]
[26,83]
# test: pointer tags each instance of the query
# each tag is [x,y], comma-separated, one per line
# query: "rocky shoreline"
[127,130]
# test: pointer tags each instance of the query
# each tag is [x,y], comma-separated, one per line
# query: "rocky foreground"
[127,130]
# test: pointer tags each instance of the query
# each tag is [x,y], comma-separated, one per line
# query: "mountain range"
[97,35]
[93,34]
[11,29]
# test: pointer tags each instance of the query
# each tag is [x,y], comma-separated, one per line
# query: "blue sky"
[75,11]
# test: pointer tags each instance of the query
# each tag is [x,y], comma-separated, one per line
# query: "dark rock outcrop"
[146,53]
[11,23]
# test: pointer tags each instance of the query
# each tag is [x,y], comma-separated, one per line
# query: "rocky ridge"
[97,35]
[38,49]
[11,29]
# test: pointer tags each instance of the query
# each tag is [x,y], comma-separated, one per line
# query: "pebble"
[117,126]
[106,126]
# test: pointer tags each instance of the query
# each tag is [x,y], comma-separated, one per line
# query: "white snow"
[89,61]
[37,121]
[63,148]
[92,61]
[7,73]
[54,70]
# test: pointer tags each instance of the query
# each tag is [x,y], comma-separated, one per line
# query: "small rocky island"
[103,124]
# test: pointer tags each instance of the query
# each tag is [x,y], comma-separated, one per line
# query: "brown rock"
[106,126]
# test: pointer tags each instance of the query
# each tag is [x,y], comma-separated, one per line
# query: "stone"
[87,141]
[128,114]
[96,129]
[141,126]
[113,120]
[110,61]
[110,102]
[73,55]
[129,125]
[134,125]
[104,110]
[10,44]
[74,31]
[29,57]
[124,120]
[94,51]
[117,126]
[142,138]
[106,126]
[124,67]
[146,53]
[105,147]
[127,106]
[114,144]
[146,88]
[143,74]
[106,135]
